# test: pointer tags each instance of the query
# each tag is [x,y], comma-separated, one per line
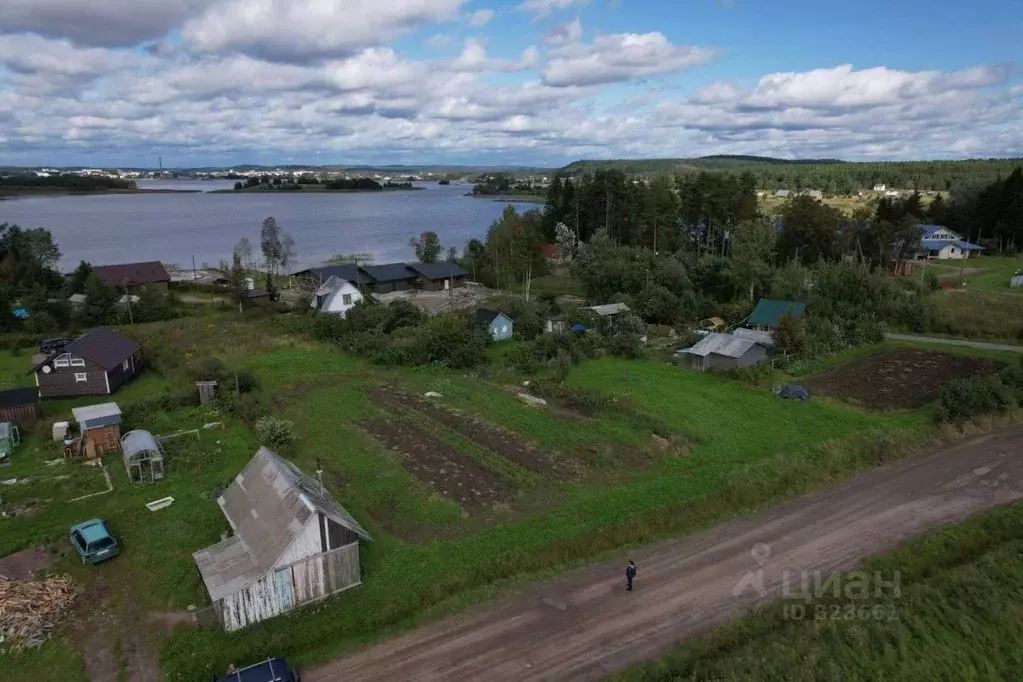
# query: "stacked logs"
[31,609]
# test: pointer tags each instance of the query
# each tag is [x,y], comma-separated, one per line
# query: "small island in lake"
[309,183]
[33,184]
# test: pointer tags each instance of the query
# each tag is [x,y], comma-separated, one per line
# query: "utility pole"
[195,275]
[962,262]
[127,297]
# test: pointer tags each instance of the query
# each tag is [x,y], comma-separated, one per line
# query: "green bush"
[276,433]
[756,375]
[966,398]
[586,400]
[624,346]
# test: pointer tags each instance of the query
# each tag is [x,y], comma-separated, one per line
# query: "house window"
[77,362]
[124,366]
[346,299]
[504,329]
[81,377]
[62,361]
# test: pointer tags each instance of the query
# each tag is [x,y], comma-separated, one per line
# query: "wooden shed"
[20,405]
[101,429]
[292,544]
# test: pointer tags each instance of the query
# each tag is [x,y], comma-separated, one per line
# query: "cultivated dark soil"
[432,460]
[900,379]
[502,441]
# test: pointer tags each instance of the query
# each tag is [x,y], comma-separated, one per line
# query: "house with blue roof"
[941,243]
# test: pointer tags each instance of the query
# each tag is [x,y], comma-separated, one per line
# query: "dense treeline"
[78,183]
[31,284]
[829,176]
[702,211]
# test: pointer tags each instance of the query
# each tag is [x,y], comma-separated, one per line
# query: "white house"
[880,187]
[336,296]
[892,194]
[941,243]
[292,544]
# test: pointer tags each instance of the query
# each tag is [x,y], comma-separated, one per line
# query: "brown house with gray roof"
[96,363]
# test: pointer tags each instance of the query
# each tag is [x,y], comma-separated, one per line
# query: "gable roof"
[102,346]
[349,272]
[267,505]
[721,344]
[331,286]
[770,311]
[763,338]
[436,271]
[931,229]
[939,244]
[389,272]
[132,273]
[486,316]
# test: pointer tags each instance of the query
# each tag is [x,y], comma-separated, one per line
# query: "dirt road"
[954,342]
[585,626]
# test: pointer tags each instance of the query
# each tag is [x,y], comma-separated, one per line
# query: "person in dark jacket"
[630,574]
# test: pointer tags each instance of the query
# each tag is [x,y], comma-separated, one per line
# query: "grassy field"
[772,205]
[730,448]
[954,619]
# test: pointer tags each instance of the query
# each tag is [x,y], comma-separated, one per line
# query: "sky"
[524,82]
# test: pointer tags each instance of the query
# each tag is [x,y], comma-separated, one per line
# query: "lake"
[172,228]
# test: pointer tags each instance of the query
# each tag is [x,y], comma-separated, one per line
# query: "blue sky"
[220,82]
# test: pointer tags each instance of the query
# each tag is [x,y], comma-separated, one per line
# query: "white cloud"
[843,86]
[543,8]
[481,18]
[299,30]
[439,40]
[619,57]
[474,58]
[564,34]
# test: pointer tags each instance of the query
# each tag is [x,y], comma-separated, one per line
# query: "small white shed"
[336,296]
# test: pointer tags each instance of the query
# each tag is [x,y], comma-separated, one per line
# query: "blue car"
[93,541]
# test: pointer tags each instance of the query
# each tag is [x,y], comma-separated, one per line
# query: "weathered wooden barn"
[96,363]
[292,544]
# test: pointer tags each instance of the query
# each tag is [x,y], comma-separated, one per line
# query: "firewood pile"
[31,609]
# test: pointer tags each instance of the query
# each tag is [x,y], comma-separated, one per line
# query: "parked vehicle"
[51,346]
[791,392]
[270,670]
[94,542]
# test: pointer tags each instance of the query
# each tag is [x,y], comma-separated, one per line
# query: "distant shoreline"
[308,189]
[8,193]
[510,198]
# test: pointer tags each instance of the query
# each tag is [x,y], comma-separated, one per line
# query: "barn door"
[285,589]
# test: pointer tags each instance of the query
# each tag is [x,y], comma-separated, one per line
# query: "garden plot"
[502,441]
[430,459]
[904,378]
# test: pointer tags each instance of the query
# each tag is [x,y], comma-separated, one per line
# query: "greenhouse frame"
[143,457]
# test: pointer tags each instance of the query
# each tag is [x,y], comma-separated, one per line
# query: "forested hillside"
[827,175]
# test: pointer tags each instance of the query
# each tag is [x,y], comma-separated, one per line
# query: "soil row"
[430,459]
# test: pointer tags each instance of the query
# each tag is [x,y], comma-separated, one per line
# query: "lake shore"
[510,198]
[15,193]
[313,189]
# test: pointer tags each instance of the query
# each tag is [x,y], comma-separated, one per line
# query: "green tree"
[278,247]
[753,255]
[427,247]
[100,301]
[271,288]
[76,283]
[790,336]
[236,279]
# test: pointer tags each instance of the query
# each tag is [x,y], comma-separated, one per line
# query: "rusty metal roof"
[267,505]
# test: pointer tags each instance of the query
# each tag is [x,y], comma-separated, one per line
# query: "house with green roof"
[768,313]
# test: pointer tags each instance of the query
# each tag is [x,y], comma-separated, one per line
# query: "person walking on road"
[630,574]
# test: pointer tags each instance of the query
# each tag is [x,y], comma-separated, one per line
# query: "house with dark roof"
[20,405]
[767,315]
[291,544]
[439,276]
[498,325]
[96,363]
[349,272]
[391,277]
[148,275]
[941,243]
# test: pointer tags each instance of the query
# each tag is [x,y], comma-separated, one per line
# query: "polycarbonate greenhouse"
[143,457]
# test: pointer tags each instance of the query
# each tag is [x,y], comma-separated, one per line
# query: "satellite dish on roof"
[46,369]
